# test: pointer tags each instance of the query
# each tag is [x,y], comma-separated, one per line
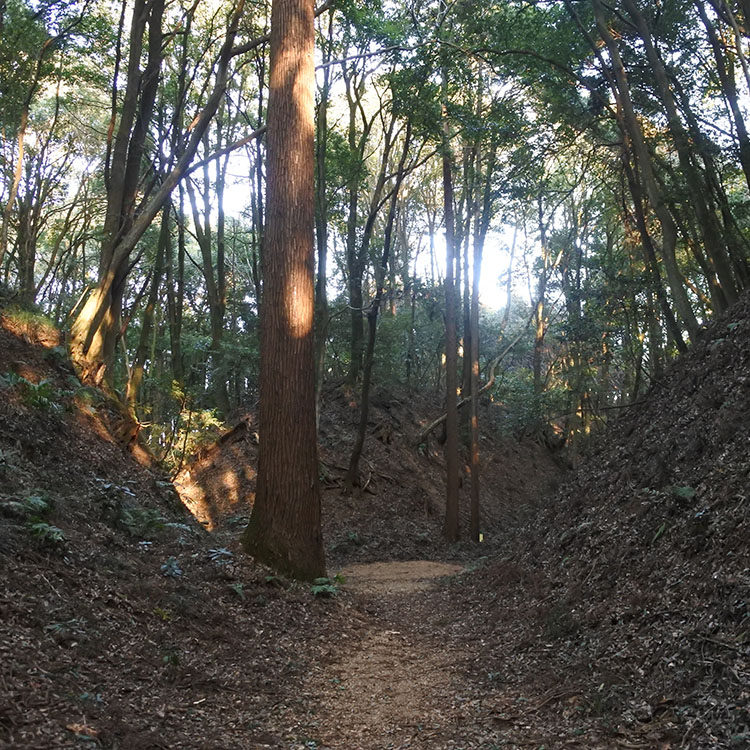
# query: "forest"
[364,284]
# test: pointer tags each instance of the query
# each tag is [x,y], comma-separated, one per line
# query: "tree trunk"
[176,295]
[451,525]
[321,227]
[710,230]
[479,236]
[540,316]
[215,277]
[651,261]
[284,529]
[95,329]
[147,324]
[352,475]
[358,257]
[481,226]
[632,131]
[725,70]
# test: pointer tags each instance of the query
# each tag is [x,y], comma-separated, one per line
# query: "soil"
[612,612]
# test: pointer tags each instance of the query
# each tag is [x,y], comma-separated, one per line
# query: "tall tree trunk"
[451,525]
[176,294]
[358,256]
[284,528]
[321,225]
[709,226]
[95,329]
[540,313]
[147,323]
[481,227]
[214,276]
[479,237]
[651,261]
[632,131]
[725,70]
[47,47]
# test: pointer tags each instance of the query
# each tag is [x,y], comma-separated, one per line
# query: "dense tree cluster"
[598,152]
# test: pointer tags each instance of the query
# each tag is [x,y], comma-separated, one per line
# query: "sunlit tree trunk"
[147,322]
[540,311]
[95,329]
[284,528]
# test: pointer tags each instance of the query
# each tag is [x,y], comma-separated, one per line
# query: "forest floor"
[611,612]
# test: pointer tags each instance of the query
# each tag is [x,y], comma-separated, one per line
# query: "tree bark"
[284,529]
[725,71]
[95,329]
[709,226]
[451,529]
[632,131]
[321,225]
[352,475]
[147,322]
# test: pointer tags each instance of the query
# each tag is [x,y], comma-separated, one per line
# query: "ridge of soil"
[611,614]
[634,581]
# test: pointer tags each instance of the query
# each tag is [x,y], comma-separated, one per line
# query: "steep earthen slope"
[629,596]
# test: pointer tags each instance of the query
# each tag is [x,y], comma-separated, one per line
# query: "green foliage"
[46,533]
[73,627]
[30,318]
[141,523]
[659,533]
[36,505]
[326,587]
[146,523]
[163,614]
[683,492]
[33,511]
[526,411]
[171,658]
[194,429]
[171,568]
[220,556]
[238,589]
[42,395]
[22,39]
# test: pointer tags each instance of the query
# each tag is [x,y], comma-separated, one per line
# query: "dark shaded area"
[630,590]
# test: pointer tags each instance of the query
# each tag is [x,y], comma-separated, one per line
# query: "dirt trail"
[407,674]
[388,686]
[397,577]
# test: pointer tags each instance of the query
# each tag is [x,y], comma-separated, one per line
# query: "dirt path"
[405,674]
[391,683]
[387,686]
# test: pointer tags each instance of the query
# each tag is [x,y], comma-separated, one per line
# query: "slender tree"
[451,525]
